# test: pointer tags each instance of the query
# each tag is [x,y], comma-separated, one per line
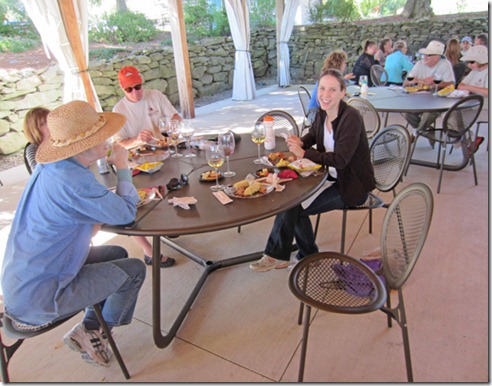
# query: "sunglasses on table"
[176,184]
[130,89]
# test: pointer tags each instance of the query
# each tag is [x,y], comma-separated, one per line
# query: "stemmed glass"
[437,80]
[174,132]
[227,141]
[258,136]
[187,131]
[215,158]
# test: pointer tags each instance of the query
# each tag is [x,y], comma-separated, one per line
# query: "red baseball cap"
[129,76]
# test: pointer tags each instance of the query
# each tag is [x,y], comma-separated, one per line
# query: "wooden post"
[181,59]
[279,7]
[69,17]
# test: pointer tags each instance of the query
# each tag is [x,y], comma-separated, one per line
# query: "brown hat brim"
[47,152]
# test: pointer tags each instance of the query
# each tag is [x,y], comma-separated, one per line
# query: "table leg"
[161,340]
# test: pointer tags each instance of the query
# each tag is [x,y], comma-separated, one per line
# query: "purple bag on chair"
[355,281]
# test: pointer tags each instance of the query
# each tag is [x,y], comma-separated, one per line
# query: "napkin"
[183,202]
[273,179]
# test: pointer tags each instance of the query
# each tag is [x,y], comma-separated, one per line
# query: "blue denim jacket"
[51,233]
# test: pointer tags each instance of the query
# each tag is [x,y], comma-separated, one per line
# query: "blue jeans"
[111,279]
[295,223]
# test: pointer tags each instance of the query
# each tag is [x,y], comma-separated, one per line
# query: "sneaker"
[89,342]
[293,262]
[266,263]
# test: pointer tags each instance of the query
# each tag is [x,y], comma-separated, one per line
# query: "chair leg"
[6,354]
[411,153]
[305,332]
[344,223]
[370,221]
[316,226]
[112,343]
[239,229]
[404,332]
[472,156]
[442,165]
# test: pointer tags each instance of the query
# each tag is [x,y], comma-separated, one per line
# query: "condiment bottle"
[269,133]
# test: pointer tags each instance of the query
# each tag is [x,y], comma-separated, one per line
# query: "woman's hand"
[349,76]
[295,146]
[119,156]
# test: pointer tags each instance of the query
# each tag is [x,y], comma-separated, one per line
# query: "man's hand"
[145,136]
[119,156]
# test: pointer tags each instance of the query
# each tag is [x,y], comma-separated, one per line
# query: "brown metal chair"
[456,127]
[284,123]
[372,120]
[334,282]
[7,352]
[304,98]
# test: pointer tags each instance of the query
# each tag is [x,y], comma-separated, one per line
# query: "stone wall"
[212,65]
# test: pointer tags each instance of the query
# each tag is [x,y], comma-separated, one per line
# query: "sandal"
[164,264]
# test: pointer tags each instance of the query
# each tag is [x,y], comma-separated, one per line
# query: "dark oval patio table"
[162,220]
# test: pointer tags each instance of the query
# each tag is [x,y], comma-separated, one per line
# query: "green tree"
[262,13]
[342,10]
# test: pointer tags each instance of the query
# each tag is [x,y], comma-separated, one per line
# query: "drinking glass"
[410,78]
[174,132]
[437,80]
[226,139]
[258,136]
[162,125]
[187,131]
[363,80]
[215,158]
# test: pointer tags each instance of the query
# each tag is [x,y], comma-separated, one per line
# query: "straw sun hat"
[75,127]
[433,48]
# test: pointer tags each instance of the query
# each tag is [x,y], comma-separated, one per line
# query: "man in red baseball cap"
[142,109]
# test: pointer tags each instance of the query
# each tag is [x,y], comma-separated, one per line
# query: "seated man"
[50,271]
[433,64]
[142,109]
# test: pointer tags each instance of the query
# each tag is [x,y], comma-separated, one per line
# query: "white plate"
[229,190]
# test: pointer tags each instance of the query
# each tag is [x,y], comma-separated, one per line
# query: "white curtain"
[243,87]
[288,19]
[47,18]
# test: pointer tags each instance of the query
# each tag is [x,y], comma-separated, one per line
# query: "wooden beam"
[181,58]
[71,25]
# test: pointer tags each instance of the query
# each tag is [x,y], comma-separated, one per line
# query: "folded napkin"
[274,180]
[183,202]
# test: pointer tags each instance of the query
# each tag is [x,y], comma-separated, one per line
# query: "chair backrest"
[26,161]
[372,120]
[404,231]
[459,69]
[283,123]
[305,98]
[379,76]
[390,152]
[462,115]
[335,282]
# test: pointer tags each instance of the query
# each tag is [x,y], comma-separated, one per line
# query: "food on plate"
[211,175]
[143,195]
[263,172]
[252,189]
[446,90]
[276,156]
[161,142]
[241,184]
[280,159]
[149,167]
[288,174]
[282,163]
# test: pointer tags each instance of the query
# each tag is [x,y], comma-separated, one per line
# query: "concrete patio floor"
[243,326]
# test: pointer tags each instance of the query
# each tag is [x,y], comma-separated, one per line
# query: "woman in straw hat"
[50,270]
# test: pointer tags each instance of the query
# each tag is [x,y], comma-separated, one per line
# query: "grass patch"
[16,44]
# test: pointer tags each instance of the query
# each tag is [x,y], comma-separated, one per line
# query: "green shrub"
[341,10]
[204,19]
[104,53]
[16,44]
[120,27]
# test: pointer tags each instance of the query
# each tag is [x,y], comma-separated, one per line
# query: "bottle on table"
[270,133]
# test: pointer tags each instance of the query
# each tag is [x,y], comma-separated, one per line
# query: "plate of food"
[280,159]
[158,144]
[210,176]
[146,196]
[414,89]
[149,167]
[243,189]
[261,173]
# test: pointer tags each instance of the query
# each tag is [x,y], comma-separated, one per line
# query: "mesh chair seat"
[379,76]
[372,120]
[283,123]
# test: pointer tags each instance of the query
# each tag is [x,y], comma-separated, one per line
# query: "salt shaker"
[270,133]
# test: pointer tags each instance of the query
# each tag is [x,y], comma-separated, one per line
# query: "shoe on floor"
[476,144]
[90,343]
[164,264]
[292,263]
[266,263]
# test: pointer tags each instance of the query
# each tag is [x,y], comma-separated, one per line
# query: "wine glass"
[258,136]
[410,78]
[215,158]
[187,131]
[226,139]
[174,132]
[437,80]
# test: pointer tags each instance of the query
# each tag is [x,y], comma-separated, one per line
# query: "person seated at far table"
[341,143]
[385,49]
[466,44]
[432,65]
[142,109]
[453,54]
[36,130]
[477,81]
[50,271]
[365,61]
[337,60]
[482,40]
[397,62]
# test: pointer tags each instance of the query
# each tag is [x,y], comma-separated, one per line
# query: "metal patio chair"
[304,98]
[372,120]
[379,76]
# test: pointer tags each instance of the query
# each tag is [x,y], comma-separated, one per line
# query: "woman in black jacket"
[364,63]
[341,145]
